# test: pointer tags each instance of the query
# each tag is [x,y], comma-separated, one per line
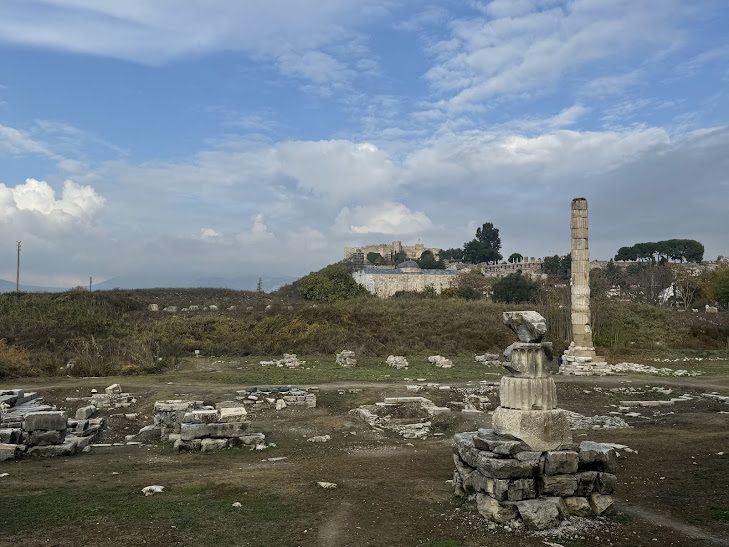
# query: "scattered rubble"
[319,439]
[30,427]
[152,490]
[278,397]
[113,397]
[193,426]
[647,369]
[409,417]
[346,358]
[288,360]
[578,421]
[440,361]
[397,361]
[489,359]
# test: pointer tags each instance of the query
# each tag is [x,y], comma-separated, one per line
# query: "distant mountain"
[240,283]
[9,286]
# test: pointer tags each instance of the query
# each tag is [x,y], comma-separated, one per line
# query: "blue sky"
[219,138]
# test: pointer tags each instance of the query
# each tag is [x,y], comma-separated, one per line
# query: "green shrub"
[514,289]
[330,284]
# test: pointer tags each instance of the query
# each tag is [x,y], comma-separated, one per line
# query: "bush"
[514,289]
[330,284]
[14,362]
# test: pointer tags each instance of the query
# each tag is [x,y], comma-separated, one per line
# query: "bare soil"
[673,489]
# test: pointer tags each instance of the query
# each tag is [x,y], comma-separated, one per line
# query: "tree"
[514,289]
[452,254]
[259,285]
[427,261]
[716,286]
[485,247]
[685,288]
[680,250]
[472,284]
[330,284]
[515,257]
[558,266]
[399,257]
[489,235]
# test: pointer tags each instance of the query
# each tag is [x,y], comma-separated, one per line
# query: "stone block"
[45,438]
[65,449]
[586,482]
[597,457]
[201,417]
[189,432]
[558,485]
[475,481]
[213,445]
[560,461]
[578,506]
[46,420]
[529,326]
[253,439]
[505,446]
[173,406]
[539,514]
[606,483]
[539,429]
[495,511]
[85,412]
[529,456]
[504,468]
[7,451]
[149,433]
[228,430]
[193,445]
[233,414]
[521,489]
[113,389]
[600,504]
[10,435]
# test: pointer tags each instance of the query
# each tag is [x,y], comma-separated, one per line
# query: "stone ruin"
[489,359]
[440,361]
[346,358]
[526,468]
[580,357]
[397,361]
[409,417]
[113,397]
[30,427]
[193,426]
[278,397]
[288,360]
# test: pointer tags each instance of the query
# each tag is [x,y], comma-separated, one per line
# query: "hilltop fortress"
[389,250]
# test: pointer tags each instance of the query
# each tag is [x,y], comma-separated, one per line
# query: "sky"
[210,138]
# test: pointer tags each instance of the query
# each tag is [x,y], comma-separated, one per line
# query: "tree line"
[680,250]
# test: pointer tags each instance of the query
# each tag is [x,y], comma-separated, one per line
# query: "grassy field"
[112,332]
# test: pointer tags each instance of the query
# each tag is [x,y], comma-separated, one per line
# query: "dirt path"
[682,528]
[712,383]
[331,532]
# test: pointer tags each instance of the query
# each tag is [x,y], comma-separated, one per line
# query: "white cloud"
[210,234]
[525,47]
[77,204]
[258,232]
[338,169]
[299,37]
[385,218]
[14,142]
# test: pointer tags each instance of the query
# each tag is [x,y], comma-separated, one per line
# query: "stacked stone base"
[582,361]
[540,488]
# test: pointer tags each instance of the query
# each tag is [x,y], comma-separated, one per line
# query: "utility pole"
[17,272]
[91,279]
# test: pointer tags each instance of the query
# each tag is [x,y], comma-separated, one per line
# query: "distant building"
[389,250]
[528,266]
[385,281]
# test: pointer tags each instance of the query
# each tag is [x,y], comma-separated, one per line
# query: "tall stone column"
[580,282]
[581,351]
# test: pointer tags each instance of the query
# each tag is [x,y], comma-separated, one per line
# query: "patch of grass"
[720,514]
[204,511]
[444,543]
